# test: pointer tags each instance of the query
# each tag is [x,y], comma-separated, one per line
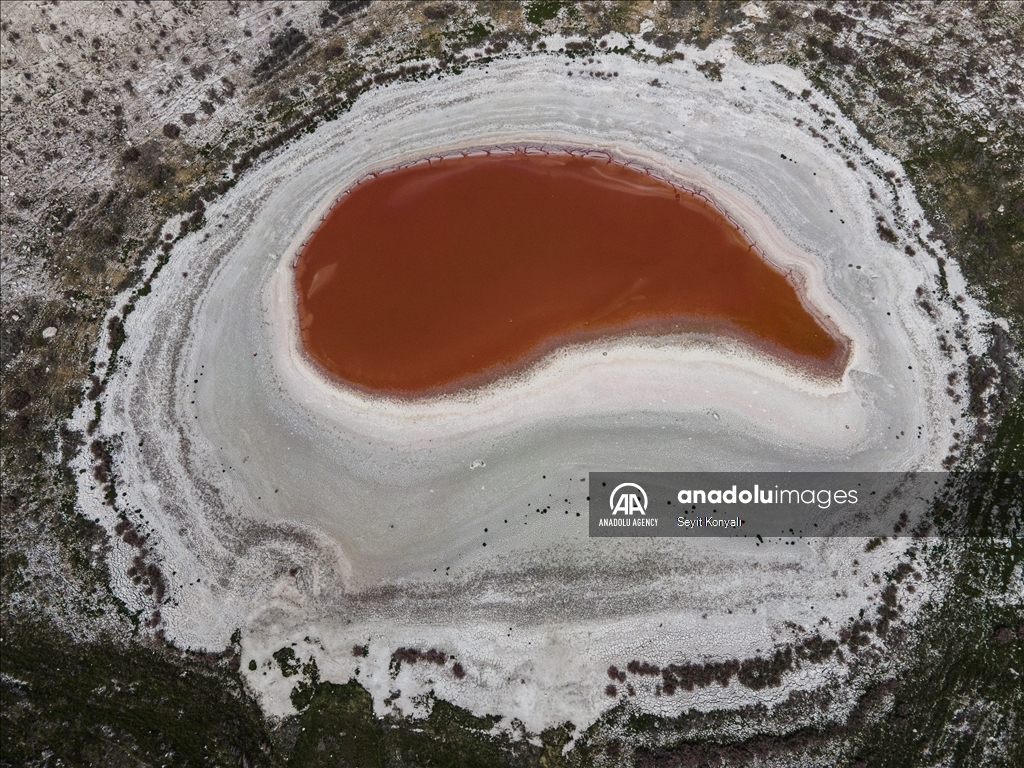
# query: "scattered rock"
[754,11]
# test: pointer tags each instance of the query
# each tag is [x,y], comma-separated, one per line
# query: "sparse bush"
[283,46]
[200,72]
[643,668]
[439,12]
[885,233]
[286,660]
[712,70]
[18,399]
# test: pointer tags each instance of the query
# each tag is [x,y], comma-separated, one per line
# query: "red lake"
[450,274]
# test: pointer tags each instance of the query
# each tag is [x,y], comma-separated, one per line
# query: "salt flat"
[293,509]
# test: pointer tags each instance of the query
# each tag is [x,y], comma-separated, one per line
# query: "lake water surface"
[450,274]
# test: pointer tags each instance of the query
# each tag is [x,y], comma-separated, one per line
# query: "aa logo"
[628,498]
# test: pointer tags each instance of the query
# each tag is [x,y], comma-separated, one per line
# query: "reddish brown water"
[450,274]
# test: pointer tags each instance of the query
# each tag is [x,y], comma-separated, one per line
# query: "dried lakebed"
[321,516]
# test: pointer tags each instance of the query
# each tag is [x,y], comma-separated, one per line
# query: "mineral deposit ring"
[292,507]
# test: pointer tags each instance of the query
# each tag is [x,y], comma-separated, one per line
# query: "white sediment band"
[583,379]
[311,510]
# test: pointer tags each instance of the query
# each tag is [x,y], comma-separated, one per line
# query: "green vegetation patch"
[968,184]
[69,703]
[543,10]
[338,728]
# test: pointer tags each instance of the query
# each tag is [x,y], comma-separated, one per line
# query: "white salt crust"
[294,509]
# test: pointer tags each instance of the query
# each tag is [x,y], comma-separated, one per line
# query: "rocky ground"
[121,121]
